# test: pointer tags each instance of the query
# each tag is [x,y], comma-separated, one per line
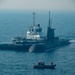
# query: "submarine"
[34,41]
[50,41]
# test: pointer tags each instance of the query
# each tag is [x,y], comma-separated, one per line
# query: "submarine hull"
[48,46]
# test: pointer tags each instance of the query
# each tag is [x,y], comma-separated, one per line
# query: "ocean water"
[20,63]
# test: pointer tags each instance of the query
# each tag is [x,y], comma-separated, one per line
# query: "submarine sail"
[50,31]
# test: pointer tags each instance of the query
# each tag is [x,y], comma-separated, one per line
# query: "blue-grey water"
[20,63]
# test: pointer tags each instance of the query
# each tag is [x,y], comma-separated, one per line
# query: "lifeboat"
[43,66]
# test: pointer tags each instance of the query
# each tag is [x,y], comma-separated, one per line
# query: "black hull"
[14,47]
[33,47]
[47,46]
[44,66]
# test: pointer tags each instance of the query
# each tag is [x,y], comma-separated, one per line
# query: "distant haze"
[59,5]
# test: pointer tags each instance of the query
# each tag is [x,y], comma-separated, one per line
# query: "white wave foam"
[72,40]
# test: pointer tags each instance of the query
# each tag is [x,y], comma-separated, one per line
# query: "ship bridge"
[34,30]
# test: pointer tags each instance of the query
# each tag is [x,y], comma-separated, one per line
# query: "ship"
[34,41]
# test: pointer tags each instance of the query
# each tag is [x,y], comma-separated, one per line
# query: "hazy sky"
[37,5]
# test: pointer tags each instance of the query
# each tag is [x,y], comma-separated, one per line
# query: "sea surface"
[14,24]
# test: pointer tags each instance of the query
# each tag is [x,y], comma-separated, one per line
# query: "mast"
[33,18]
[49,20]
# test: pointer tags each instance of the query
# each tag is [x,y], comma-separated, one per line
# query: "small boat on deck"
[41,65]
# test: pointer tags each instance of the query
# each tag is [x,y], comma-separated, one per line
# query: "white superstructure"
[34,32]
